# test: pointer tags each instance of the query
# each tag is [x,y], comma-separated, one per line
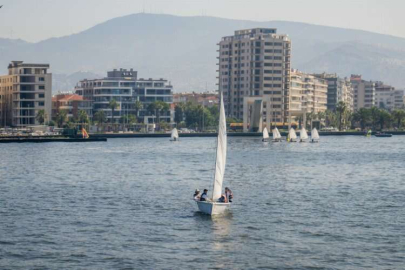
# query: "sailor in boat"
[197,195]
[204,196]
[222,199]
[228,195]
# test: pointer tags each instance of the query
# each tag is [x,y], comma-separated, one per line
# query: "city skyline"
[373,16]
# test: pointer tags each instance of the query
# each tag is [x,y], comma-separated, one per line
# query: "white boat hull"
[213,208]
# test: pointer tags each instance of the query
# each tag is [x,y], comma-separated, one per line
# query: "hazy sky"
[35,20]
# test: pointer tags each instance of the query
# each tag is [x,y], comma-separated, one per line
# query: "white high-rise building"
[254,68]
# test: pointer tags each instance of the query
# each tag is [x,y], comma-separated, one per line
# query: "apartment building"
[308,94]
[72,104]
[150,90]
[339,89]
[254,68]
[124,87]
[364,92]
[25,91]
[386,97]
[399,99]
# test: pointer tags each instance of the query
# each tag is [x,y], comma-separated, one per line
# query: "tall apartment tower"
[23,92]
[254,65]
[364,92]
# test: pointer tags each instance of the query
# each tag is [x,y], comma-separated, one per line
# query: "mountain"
[184,50]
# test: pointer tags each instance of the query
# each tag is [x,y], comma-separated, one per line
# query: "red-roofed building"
[72,103]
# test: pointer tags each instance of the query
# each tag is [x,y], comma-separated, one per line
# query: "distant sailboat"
[292,136]
[276,135]
[265,135]
[303,135]
[213,207]
[175,135]
[314,135]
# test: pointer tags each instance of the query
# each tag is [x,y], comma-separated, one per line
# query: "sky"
[36,20]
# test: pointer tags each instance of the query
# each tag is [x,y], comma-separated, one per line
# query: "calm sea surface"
[126,204]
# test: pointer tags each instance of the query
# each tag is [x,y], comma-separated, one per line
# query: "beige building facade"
[25,91]
[339,90]
[308,94]
[254,66]
[364,92]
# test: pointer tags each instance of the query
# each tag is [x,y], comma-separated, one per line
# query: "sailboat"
[292,136]
[314,135]
[265,135]
[303,135]
[276,135]
[212,206]
[175,135]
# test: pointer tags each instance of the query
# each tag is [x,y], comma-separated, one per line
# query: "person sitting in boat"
[228,195]
[204,196]
[197,195]
[222,199]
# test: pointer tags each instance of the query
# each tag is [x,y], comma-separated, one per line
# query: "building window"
[41,87]
[41,96]
[41,79]
[41,103]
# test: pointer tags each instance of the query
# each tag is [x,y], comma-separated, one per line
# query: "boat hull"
[383,135]
[213,208]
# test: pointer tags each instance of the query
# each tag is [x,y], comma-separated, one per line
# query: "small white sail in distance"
[292,134]
[221,153]
[303,134]
[314,134]
[175,134]
[276,133]
[265,134]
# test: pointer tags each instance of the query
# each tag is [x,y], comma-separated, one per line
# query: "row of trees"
[196,116]
[99,118]
[199,117]
[365,118]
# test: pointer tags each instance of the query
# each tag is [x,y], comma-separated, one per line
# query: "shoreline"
[230,134]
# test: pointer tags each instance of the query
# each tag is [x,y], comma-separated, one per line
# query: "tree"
[100,118]
[41,117]
[309,117]
[158,107]
[385,119]
[362,116]
[398,115]
[341,108]
[83,117]
[113,104]
[128,119]
[137,107]
[179,112]
[330,118]
[61,118]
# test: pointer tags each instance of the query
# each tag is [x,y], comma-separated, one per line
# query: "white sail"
[265,134]
[175,134]
[303,134]
[292,134]
[314,134]
[275,134]
[278,135]
[221,153]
